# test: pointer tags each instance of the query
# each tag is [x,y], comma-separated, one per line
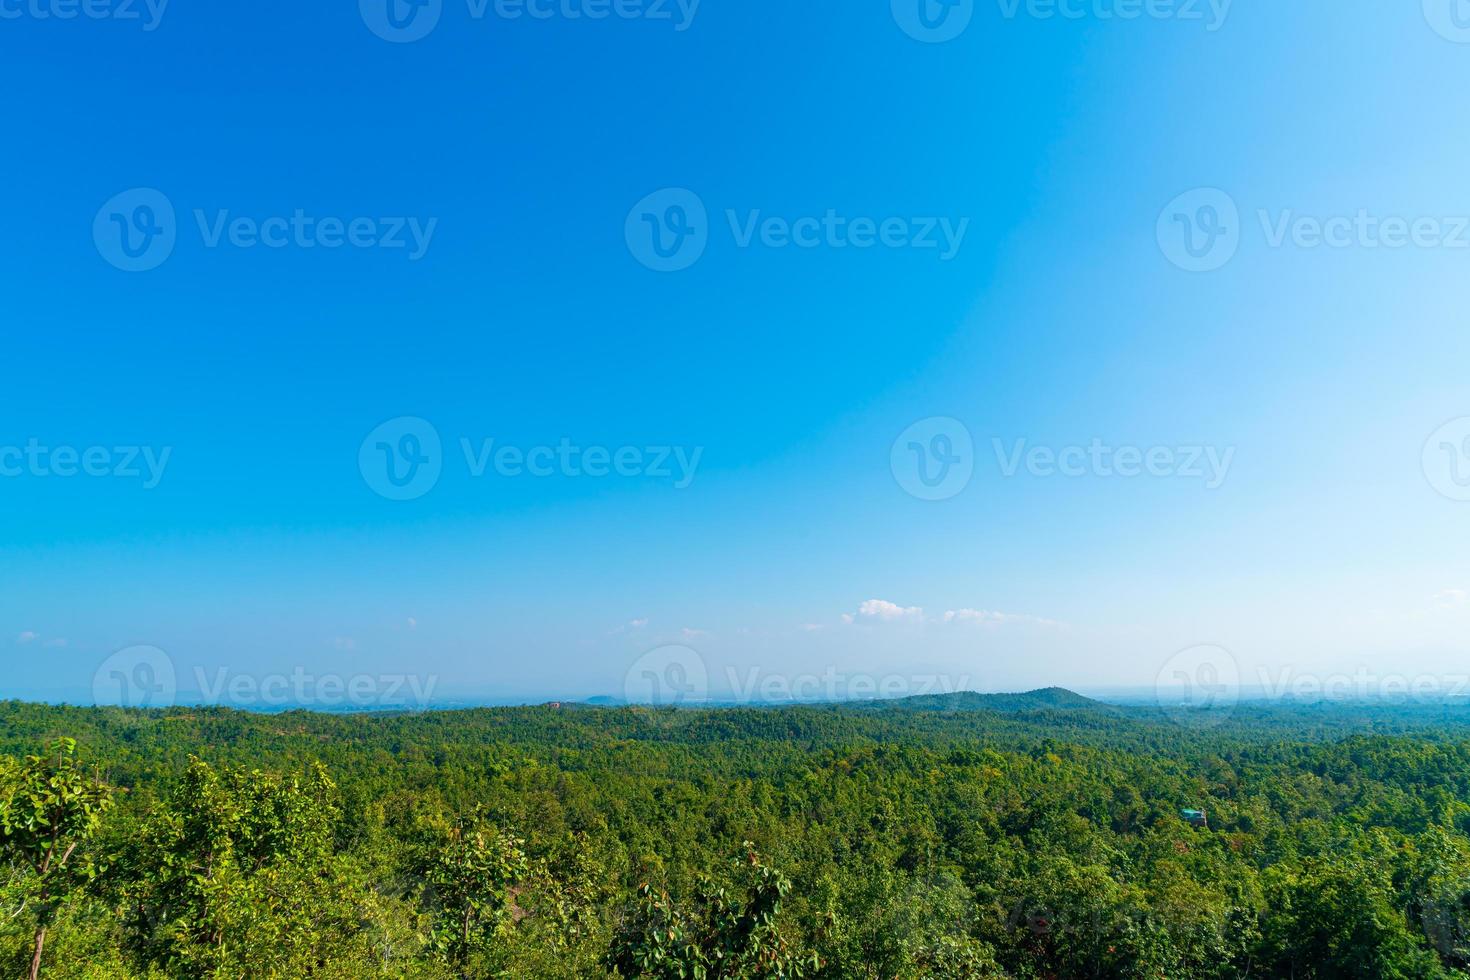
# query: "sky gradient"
[788,260]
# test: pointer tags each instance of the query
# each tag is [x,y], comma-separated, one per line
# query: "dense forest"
[960,836]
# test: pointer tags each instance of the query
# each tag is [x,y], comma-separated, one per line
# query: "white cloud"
[692,634]
[26,637]
[991,617]
[885,610]
[973,616]
[629,626]
[1450,598]
[812,627]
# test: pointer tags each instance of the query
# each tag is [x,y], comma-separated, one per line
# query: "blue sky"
[1059,151]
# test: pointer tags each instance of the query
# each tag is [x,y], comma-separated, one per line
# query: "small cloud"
[629,626]
[692,634]
[973,616]
[990,617]
[1450,598]
[884,610]
[881,610]
[26,637]
[812,627]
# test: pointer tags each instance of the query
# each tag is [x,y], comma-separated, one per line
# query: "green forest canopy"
[963,836]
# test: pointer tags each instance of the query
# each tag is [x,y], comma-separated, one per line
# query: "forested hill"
[170,736]
[968,836]
[1049,697]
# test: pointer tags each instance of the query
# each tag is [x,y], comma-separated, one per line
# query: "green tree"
[722,935]
[234,874]
[472,872]
[1337,921]
[49,807]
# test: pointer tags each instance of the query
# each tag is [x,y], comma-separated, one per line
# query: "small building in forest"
[1195,818]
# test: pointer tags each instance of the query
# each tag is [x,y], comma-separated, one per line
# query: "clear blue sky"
[1054,142]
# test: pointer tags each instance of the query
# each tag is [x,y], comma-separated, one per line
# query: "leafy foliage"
[933,839]
[49,808]
[471,873]
[717,935]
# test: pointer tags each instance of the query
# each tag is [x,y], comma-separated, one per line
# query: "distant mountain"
[1043,699]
